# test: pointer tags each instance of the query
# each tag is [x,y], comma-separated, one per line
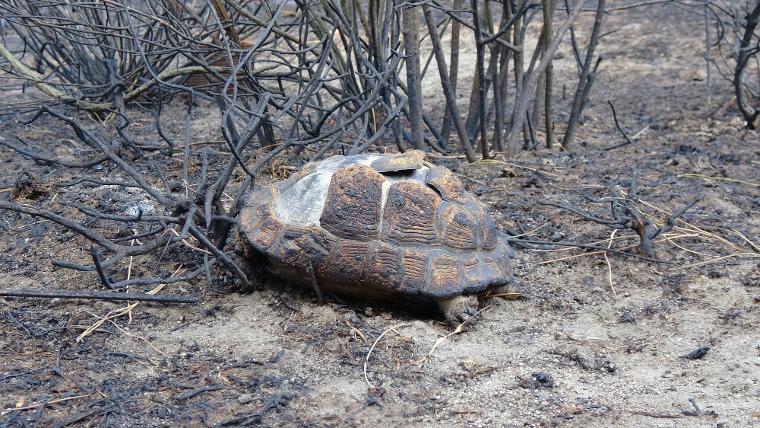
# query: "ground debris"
[586,361]
[31,187]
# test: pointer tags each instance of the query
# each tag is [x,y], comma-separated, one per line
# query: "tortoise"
[387,227]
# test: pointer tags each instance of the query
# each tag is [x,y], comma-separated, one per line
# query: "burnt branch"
[745,52]
[619,128]
[625,212]
[93,295]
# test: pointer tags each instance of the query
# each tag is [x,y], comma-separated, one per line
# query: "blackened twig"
[619,128]
[410,30]
[315,284]
[99,269]
[521,104]
[745,52]
[190,394]
[446,84]
[93,295]
[47,160]
[70,420]
[482,88]
[528,242]
[671,222]
[580,213]
[586,78]
[70,224]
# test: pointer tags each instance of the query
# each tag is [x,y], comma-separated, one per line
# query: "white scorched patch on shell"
[302,203]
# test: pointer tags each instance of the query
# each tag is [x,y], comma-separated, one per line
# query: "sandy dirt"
[593,343]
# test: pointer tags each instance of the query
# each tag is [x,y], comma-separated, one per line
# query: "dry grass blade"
[44,403]
[458,330]
[372,348]
[138,337]
[744,238]
[602,241]
[546,262]
[717,259]
[512,295]
[669,230]
[126,310]
[609,265]
[356,330]
[710,178]
[530,232]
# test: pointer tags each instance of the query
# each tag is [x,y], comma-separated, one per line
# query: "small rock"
[39,230]
[693,74]
[609,366]
[351,317]
[244,398]
[142,208]
[373,401]
[696,354]
[537,380]
[507,172]
[570,410]
[627,317]
[276,357]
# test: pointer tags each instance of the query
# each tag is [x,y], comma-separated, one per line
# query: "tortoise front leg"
[459,309]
